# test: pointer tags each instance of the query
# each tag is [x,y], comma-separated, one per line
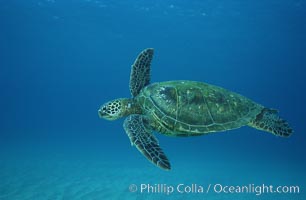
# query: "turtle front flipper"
[140,73]
[268,120]
[145,141]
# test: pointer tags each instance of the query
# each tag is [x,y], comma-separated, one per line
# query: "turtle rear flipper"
[268,120]
[145,141]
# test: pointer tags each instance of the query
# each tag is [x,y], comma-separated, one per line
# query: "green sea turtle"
[183,108]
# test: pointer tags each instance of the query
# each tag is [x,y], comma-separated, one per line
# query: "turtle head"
[118,108]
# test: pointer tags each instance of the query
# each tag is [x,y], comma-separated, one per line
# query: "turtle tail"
[268,120]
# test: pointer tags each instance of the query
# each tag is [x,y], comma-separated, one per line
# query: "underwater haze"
[60,60]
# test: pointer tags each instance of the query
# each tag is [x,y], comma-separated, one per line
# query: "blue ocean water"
[60,60]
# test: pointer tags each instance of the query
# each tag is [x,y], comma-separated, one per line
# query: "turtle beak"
[101,113]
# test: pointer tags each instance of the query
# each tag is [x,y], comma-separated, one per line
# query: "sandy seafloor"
[73,174]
